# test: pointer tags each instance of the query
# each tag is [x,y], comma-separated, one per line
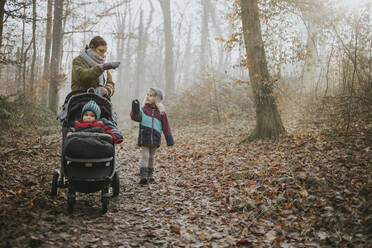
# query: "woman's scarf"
[93,59]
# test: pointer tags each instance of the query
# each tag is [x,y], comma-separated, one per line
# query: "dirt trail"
[211,191]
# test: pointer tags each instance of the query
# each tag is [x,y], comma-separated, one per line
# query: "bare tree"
[143,41]
[268,120]
[48,36]
[121,21]
[32,83]
[169,66]
[187,59]
[127,60]
[66,13]
[2,12]
[139,58]
[216,25]
[18,69]
[24,51]
[56,55]
[311,70]
[204,34]
[146,32]
[48,45]
[21,78]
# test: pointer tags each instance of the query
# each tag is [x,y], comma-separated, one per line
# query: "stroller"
[88,158]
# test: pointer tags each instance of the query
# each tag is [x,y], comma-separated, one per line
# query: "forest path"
[211,191]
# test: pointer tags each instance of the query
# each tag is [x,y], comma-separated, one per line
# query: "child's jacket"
[152,124]
[107,125]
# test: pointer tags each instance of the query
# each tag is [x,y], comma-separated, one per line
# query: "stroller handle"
[91,90]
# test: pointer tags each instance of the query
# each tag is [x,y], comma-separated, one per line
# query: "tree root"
[256,136]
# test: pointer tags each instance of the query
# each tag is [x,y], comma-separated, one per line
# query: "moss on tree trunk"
[268,121]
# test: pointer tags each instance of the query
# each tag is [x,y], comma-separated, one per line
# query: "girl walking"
[153,121]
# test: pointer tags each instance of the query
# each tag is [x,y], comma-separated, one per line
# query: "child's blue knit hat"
[92,106]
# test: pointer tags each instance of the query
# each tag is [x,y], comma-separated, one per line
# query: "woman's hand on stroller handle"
[101,91]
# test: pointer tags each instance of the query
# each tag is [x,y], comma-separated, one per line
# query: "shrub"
[211,101]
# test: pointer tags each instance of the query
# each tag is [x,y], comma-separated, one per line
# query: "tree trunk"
[18,69]
[64,17]
[146,38]
[24,54]
[56,55]
[143,39]
[32,83]
[20,82]
[24,71]
[221,49]
[127,68]
[121,17]
[169,66]
[204,37]
[268,120]
[2,11]
[48,45]
[311,68]
[48,36]
[187,61]
[139,59]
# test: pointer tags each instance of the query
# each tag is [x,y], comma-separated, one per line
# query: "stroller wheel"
[105,202]
[115,185]
[70,206]
[70,200]
[53,192]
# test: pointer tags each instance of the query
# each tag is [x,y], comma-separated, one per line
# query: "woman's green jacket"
[85,76]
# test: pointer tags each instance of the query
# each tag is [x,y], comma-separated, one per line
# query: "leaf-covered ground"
[211,191]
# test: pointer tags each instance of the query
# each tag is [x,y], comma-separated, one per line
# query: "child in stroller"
[88,153]
[91,122]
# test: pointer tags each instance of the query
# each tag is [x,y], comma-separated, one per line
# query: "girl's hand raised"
[135,106]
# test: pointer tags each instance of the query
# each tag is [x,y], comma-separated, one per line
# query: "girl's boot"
[150,174]
[143,175]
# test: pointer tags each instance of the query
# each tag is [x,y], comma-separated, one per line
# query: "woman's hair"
[96,42]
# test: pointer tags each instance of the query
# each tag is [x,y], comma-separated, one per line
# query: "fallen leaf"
[175,229]
[202,236]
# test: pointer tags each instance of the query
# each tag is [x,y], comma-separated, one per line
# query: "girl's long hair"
[159,105]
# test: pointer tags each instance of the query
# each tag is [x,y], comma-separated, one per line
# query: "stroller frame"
[85,175]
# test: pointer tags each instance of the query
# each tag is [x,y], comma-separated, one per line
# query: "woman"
[89,69]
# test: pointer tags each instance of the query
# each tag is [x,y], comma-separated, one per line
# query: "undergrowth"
[338,116]
[19,117]
[211,102]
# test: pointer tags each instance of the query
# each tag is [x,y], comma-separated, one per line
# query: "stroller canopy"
[75,101]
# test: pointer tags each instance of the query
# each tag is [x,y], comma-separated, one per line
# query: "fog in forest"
[252,127]
[303,41]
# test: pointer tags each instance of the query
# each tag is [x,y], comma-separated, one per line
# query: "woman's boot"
[143,175]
